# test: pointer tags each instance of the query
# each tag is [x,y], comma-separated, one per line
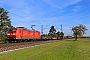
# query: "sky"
[67,13]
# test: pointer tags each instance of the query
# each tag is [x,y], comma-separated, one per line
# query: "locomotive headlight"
[14,34]
[8,34]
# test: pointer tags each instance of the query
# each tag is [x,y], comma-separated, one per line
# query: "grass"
[61,50]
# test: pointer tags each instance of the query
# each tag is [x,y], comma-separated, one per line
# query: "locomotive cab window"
[12,31]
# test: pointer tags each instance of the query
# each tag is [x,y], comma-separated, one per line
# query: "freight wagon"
[21,34]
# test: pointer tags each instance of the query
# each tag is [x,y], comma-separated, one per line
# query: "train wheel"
[18,40]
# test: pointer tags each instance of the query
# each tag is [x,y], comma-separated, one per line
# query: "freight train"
[22,34]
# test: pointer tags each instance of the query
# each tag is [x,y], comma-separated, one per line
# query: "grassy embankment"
[61,50]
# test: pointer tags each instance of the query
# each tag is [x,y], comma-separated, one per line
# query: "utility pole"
[42,29]
[61,27]
[71,31]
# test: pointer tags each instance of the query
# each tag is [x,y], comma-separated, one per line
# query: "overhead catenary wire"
[27,22]
[20,16]
[59,28]
[23,17]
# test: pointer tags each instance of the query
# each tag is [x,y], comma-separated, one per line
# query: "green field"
[60,50]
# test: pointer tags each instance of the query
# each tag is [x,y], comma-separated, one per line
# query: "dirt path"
[12,46]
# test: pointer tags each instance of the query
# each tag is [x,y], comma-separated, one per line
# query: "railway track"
[12,46]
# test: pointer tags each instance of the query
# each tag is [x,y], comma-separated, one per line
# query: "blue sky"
[69,13]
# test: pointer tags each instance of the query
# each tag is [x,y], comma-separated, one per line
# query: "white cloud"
[19,7]
[35,3]
[76,8]
[61,3]
[13,3]
[72,2]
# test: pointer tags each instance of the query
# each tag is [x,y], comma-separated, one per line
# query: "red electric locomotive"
[21,34]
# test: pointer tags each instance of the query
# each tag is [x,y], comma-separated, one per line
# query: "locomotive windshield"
[12,31]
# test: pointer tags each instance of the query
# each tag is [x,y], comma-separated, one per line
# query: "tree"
[60,35]
[5,23]
[52,31]
[79,30]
